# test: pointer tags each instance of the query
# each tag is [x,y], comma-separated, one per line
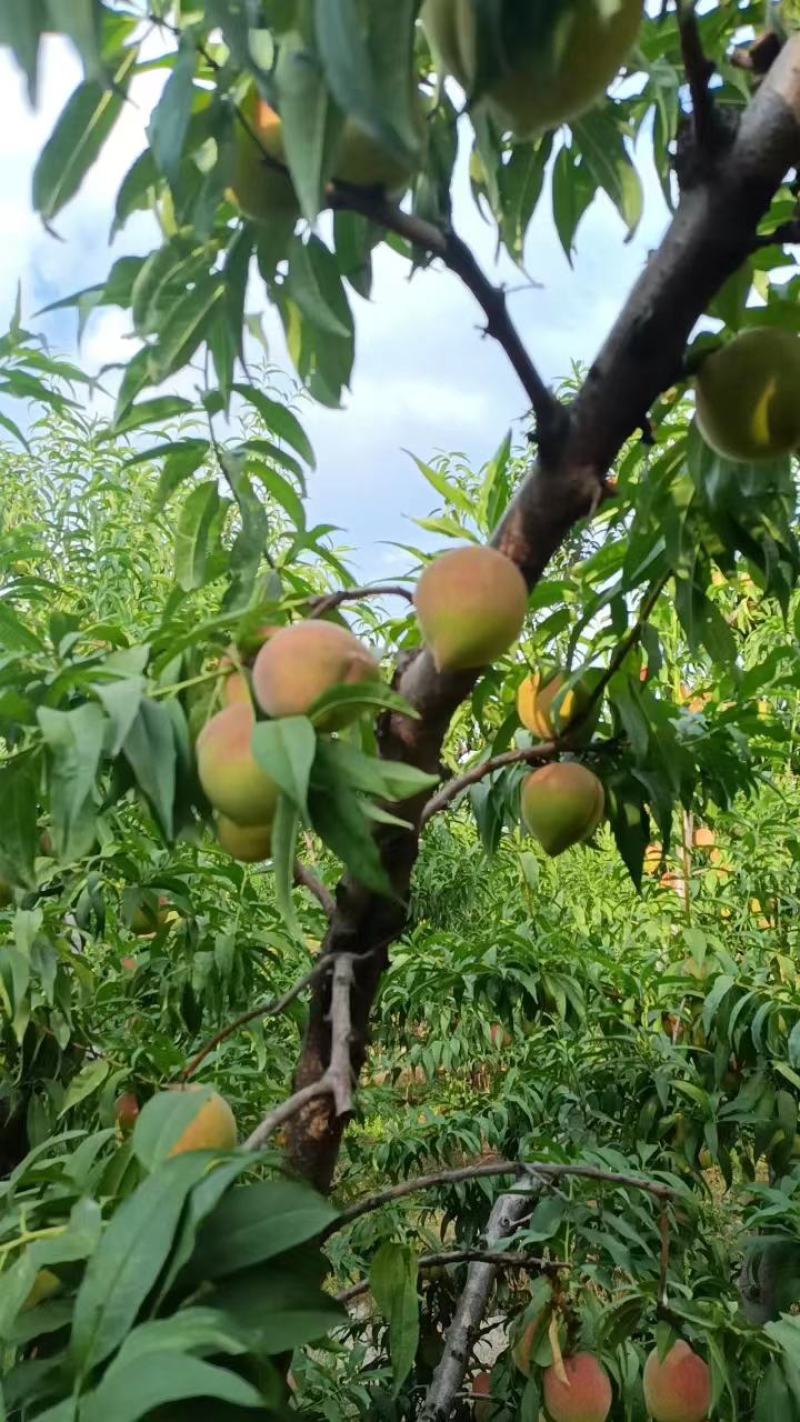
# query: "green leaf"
[603,148]
[120,701]
[15,636]
[132,1390]
[197,540]
[282,1307]
[169,121]
[77,139]
[255,1223]
[339,819]
[89,1079]
[163,1120]
[74,741]
[393,1281]
[151,752]
[129,1258]
[391,780]
[372,81]
[285,749]
[280,419]
[183,457]
[311,123]
[18,831]
[149,412]
[365,696]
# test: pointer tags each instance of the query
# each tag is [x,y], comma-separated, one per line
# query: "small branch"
[320,605]
[551,417]
[499,1258]
[699,70]
[337,1080]
[462,1333]
[547,1170]
[266,1009]
[449,792]
[663,1272]
[304,878]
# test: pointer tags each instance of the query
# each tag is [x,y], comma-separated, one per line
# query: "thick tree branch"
[710,236]
[463,1331]
[501,1259]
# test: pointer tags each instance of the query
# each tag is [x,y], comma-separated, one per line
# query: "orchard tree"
[578,659]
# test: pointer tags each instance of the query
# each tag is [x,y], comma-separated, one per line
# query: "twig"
[663,1273]
[337,1079]
[551,416]
[462,1333]
[449,792]
[621,651]
[320,605]
[486,1170]
[265,1009]
[699,69]
[305,879]
[500,1258]
[546,750]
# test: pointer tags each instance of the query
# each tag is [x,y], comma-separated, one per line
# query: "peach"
[213,1128]
[229,772]
[546,709]
[677,1388]
[248,843]
[303,661]
[471,604]
[584,1397]
[562,805]
[748,396]
[126,1110]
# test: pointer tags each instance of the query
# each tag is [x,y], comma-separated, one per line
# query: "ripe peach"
[677,1389]
[303,661]
[584,1397]
[562,805]
[213,1128]
[471,604]
[261,186]
[126,1110]
[248,843]
[229,773]
[748,395]
[544,710]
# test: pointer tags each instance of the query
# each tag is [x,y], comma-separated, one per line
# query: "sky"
[425,379]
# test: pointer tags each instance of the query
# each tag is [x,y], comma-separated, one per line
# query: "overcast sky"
[424,378]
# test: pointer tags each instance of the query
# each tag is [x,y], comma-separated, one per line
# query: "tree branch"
[461,1335]
[501,1259]
[710,236]
[699,70]
[551,416]
[542,1170]
[305,879]
[265,1009]
[450,791]
[328,601]
[336,1081]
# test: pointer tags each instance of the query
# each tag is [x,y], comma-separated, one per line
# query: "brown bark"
[712,233]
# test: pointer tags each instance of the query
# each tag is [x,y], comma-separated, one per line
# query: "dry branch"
[462,1333]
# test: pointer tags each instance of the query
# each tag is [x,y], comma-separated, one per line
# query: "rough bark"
[712,233]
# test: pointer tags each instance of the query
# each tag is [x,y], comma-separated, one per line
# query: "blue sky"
[425,380]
